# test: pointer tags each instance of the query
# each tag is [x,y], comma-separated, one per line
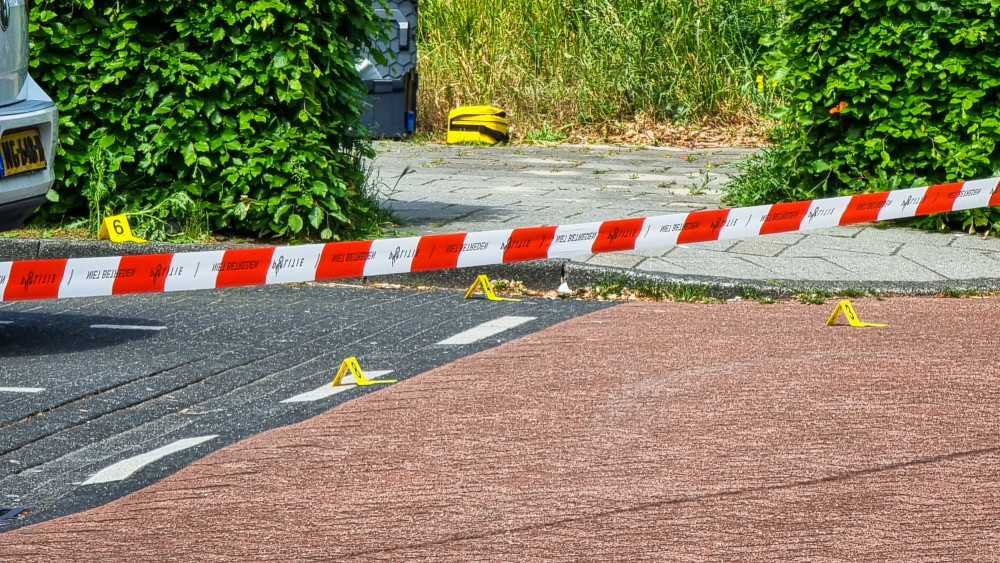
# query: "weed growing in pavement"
[695,189]
[813,296]
[960,293]
[624,287]
[854,293]
[702,188]
[433,163]
[751,293]
[597,171]
[851,293]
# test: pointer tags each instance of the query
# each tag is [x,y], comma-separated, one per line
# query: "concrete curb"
[45,249]
[582,275]
[546,275]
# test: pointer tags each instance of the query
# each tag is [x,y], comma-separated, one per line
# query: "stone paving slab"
[529,186]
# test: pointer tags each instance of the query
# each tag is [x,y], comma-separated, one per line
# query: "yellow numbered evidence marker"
[850,313]
[351,365]
[483,282]
[117,229]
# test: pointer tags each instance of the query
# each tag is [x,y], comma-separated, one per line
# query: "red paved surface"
[660,432]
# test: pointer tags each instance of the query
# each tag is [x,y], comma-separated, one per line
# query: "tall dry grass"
[580,62]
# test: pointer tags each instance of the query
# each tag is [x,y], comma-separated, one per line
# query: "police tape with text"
[85,277]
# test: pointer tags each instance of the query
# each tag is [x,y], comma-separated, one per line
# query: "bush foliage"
[882,94]
[227,114]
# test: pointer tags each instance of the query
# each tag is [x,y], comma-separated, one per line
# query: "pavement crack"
[93,394]
[722,495]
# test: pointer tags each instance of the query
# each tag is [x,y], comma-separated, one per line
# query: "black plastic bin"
[392,97]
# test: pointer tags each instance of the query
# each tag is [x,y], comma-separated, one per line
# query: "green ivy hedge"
[236,115]
[882,94]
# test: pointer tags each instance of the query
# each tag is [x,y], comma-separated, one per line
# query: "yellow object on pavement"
[477,124]
[351,365]
[117,229]
[482,282]
[850,313]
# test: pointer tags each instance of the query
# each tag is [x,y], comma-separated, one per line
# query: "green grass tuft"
[813,296]
[615,286]
[589,61]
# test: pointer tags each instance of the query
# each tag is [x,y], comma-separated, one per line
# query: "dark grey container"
[392,87]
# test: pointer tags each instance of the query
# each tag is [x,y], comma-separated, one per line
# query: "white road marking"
[6,322]
[485,330]
[126,467]
[329,390]
[21,389]
[129,327]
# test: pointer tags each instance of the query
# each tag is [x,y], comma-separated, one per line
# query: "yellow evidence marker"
[351,365]
[117,229]
[850,313]
[484,282]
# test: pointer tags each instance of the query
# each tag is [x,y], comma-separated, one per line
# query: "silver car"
[28,123]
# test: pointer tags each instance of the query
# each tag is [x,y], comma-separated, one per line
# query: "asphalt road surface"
[101,397]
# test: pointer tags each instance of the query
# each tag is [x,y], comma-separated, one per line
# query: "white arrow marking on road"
[129,327]
[21,389]
[329,390]
[126,467]
[485,330]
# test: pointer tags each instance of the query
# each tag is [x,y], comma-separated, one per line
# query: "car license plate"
[22,152]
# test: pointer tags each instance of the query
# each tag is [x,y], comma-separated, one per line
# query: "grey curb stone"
[43,249]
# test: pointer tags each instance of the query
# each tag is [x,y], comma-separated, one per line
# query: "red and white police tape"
[87,277]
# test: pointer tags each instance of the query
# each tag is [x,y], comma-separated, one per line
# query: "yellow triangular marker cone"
[351,365]
[117,229]
[484,282]
[850,313]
